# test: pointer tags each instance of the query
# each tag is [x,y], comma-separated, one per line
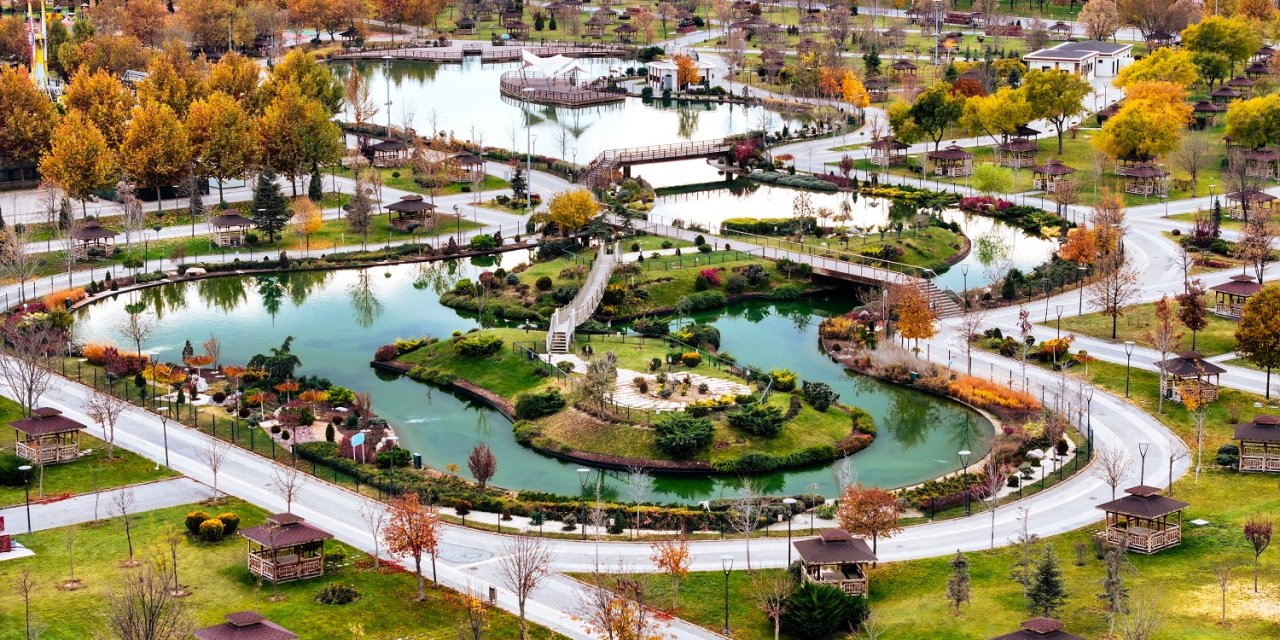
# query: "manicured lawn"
[404,181]
[219,583]
[506,372]
[927,248]
[1217,338]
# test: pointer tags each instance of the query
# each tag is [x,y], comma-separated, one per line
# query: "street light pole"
[528,156]
[1142,452]
[1128,355]
[26,489]
[964,468]
[583,474]
[1058,309]
[964,272]
[813,488]
[1081,269]
[386,75]
[726,563]
[789,502]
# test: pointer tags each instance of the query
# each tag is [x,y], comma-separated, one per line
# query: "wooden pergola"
[92,235]
[1048,176]
[285,548]
[1259,444]
[903,68]
[1060,30]
[1223,95]
[1140,521]
[467,167]
[245,625]
[47,437]
[1232,294]
[410,211]
[877,89]
[811,23]
[517,30]
[388,153]
[1263,162]
[887,152]
[1242,203]
[1019,150]
[1189,367]
[595,26]
[625,31]
[1242,85]
[1257,70]
[836,558]
[1040,629]
[464,26]
[230,228]
[952,161]
[1263,54]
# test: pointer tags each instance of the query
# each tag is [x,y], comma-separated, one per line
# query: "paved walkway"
[627,394]
[148,496]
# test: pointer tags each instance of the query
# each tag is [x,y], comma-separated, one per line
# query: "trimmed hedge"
[482,344]
[530,406]
[799,181]
[771,226]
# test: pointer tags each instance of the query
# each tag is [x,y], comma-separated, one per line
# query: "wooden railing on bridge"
[599,173]
[580,97]
[508,52]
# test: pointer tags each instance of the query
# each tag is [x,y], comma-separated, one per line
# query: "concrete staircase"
[943,305]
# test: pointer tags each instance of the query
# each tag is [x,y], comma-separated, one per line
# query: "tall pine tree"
[1047,592]
[270,211]
[315,185]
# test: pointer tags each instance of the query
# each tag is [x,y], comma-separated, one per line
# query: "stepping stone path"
[627,395]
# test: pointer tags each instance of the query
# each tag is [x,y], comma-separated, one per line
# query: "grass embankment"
[1216,339]
[927,248]
[219,583]
[909,598]
[80,476]
[401,178]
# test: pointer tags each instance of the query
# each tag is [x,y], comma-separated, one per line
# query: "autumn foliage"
[58,299]
[985,394]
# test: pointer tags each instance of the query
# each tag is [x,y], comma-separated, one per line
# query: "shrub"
[543,283]
[787,292]
[819,395]
[756,274]
[10,476]
[705,300]
[985,394]
[691,359]
[530,406]
[211,530]
[614,294]
[704,248]
[817,610]
[698,240]
[783,379]
[1229,455]
[480,344]
[193,521]
[836,328]
[482,242]
[96,353]
[386,353]
[700,284]
[393,457]
[565,366]
[757,419]
[337,594]
[735,284]
[230,522]
[651,328]
[59,299]
[219,397]
[681,435]
[712,276]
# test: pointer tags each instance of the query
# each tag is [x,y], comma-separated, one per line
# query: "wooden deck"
[558,92]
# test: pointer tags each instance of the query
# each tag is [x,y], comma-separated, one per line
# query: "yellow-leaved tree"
[103,99]
[155,150]
[1149,125]
[1164,65]
[854,93]
[571,210]
[686,71]
[222,135]
[307,219]
[916,319]
[80,161]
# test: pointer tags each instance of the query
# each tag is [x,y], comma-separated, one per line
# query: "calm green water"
[339,318]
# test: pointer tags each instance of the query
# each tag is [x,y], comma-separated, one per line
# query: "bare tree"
[771,591]
[1111,466]
[993,480]
[1222,575]
[1165,335]
[105,409]
[72,583]
[137,328]
[613,606]
[213,349]
[374,516]
[18,264]
[288,481]
[95,485]
[1115,291]
[28,364]
[522,566]
[639,484]
[122,506]
[213,452]
[173,539]
[474,622]
[1193,157]
[1142,620]
[144,608]
[744,514]
[26,585]
[1257,242]
[971,324]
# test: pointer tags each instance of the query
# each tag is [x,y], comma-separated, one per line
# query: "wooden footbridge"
[609,166]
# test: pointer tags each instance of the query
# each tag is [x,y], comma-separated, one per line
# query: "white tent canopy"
[556,66]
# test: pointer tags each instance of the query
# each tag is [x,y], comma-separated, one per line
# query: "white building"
[1089,58]
[663,73]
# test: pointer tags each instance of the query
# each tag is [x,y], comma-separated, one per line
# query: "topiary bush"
[543,283]
[211,530]
[193,521]
[691,359]
[818,611]
[783,379]
[819,395]
[337,594]
[481,344]
[681,435]
[530,406]
[230,522]
[757,419]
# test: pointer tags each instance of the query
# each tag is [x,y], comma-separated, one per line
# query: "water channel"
[339,318]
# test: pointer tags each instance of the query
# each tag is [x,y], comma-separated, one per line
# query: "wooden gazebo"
[1189,368]
[230,228]
[1018,151]
[952,161]
[1060,30]
[1048,176]
[596,25]
[1161,39]
[811,23]
[1206,113]
[836,558]
[1240,204]
[1263,54]
[1040,629]
[388,153]
[1263,162]
[467,167]
[517,30]
[1259,444]
[464,26]
[1257,70]
[625,32]
[47,437]
[1232,294]
[887,152]
[903,68]
[1145,179]
[92,235]
[1242,85]
[245,625]
[877,88]
[1223,95]
[1140,521]
[285,548]
[410,211]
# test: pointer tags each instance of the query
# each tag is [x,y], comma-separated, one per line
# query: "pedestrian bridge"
[604,169]
[566,320]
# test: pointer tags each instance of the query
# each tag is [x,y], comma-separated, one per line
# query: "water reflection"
[365,306]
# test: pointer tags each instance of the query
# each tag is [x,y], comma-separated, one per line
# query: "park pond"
[997,246]
[338,319]
[577,135]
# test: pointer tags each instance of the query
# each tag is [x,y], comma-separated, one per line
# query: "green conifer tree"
[270,210]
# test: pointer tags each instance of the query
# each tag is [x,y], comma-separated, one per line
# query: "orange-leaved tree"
[1081,246]
[414,528]
[915,316]
[673,558]
[686,71]
[869,512]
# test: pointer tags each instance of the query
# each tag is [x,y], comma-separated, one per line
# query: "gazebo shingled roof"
[903,65]
[952,152]
[1054,167]
[389,146]
[1251,195]
[45,421]
[889,143]
[245,625]
[1204,106]
[230,218]
[1262,429]
[92,230]
[1189,363]
[834,546]
[1239,285]
[410,204]
[1040,629]
[466,157]
[1240,81]
[626,27]
[1224,92]
[1144,502]
[285,530]
[1262,154]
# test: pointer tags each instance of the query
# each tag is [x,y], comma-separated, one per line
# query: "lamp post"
[1080,270]
[1142,453]
[964,272]
[1128,356]
[583,475]
[1088,408]
[726,563]
[964,468]
[813,488]
[386,75]
[528,156]
[26,489]
[457,219]
[1057,308]
[790,502]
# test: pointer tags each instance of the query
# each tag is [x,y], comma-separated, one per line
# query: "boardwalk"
[457,50]
[565,320]
[603,169]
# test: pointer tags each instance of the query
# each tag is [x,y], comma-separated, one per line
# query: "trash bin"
[493,595]
[417,461]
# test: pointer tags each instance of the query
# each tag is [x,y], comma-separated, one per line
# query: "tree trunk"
[1268,381]
[434,578]
[1059,139]
[417,569]
[675,592]
[524,624]
[1115,317]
